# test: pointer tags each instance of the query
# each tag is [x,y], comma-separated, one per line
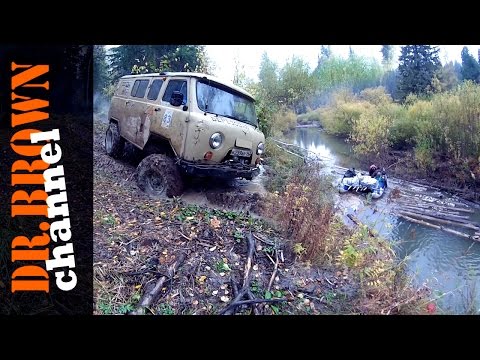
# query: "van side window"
[176,85]
[154,89]
[140,88]
[122,88]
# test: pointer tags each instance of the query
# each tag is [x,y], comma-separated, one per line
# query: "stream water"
[446,263]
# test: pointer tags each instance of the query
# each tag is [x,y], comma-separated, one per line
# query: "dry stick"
[359,223]
[262,240]
[258,301]
[438,227]
[441,221]
[229,310]
[149,297]
[274,273]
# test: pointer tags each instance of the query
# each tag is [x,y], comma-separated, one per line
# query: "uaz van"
[186,124]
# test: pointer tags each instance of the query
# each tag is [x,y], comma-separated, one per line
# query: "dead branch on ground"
[151,296]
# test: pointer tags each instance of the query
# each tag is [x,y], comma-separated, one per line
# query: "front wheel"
[114,143]
[157,175]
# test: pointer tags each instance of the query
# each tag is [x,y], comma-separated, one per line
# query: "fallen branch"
[263,240]
[259,301]
[230,309]
[274,273]
[359,223]
[151,296]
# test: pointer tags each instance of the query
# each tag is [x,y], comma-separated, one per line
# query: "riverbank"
[139,241]
[456,177]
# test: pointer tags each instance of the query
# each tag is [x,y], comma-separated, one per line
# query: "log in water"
[441,221]
[438,227]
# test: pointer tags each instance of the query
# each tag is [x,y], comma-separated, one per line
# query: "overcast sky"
[223,56]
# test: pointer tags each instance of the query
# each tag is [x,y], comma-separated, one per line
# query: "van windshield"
[219,100]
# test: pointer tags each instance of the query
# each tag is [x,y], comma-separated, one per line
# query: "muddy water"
[447,264]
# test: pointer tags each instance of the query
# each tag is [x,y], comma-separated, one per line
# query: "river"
[447,264]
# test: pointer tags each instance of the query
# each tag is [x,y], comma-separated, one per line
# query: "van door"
[171,121]
[148,112]
[135,110]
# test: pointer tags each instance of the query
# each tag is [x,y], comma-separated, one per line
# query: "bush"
[370,133]
[309,118]
[424,156]
[339,119]
[281,165]
[375,96]
[282,122]
[305,214]
[458,115]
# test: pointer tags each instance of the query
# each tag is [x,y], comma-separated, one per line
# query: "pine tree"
[388,52]
[100,68]
[417,67]
[470,66]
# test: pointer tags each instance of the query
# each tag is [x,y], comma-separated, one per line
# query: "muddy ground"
[136,239]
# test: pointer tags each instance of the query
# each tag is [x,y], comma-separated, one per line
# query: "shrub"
[305,214]
[424,156]
[375,96]
[371,134]
[339,119]
[282,166]
[283,121]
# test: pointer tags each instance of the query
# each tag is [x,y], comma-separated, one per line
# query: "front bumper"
[226,171]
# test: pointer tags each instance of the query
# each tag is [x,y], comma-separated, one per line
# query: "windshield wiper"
[234,118]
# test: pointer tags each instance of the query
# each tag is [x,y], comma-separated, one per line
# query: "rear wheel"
[114,143]
[158,176]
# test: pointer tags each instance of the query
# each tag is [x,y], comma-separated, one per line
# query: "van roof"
[196,75]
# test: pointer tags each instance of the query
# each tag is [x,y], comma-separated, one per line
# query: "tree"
[100,69]
[127,59]
[388,52]
[470,66]
[239,77]
[296,84]
[326,51]
[325,54]
[355,72]
[350,51]
[447,76]
[268,77]
[416,70]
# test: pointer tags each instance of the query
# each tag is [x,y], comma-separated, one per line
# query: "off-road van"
[185,124]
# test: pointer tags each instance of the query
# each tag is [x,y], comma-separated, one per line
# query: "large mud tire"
[114,143]
[158,176]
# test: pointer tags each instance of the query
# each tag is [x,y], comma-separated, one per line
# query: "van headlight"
[260,148]
[216,140]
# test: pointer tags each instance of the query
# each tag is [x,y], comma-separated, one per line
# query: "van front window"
[215,99]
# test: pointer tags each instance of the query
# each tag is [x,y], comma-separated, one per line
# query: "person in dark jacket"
[373,171]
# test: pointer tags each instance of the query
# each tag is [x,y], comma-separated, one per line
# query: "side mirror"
[176,99]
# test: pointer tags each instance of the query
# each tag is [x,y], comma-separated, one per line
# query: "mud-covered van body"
[186,124]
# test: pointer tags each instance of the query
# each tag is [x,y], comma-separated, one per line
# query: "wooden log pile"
[448,216]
